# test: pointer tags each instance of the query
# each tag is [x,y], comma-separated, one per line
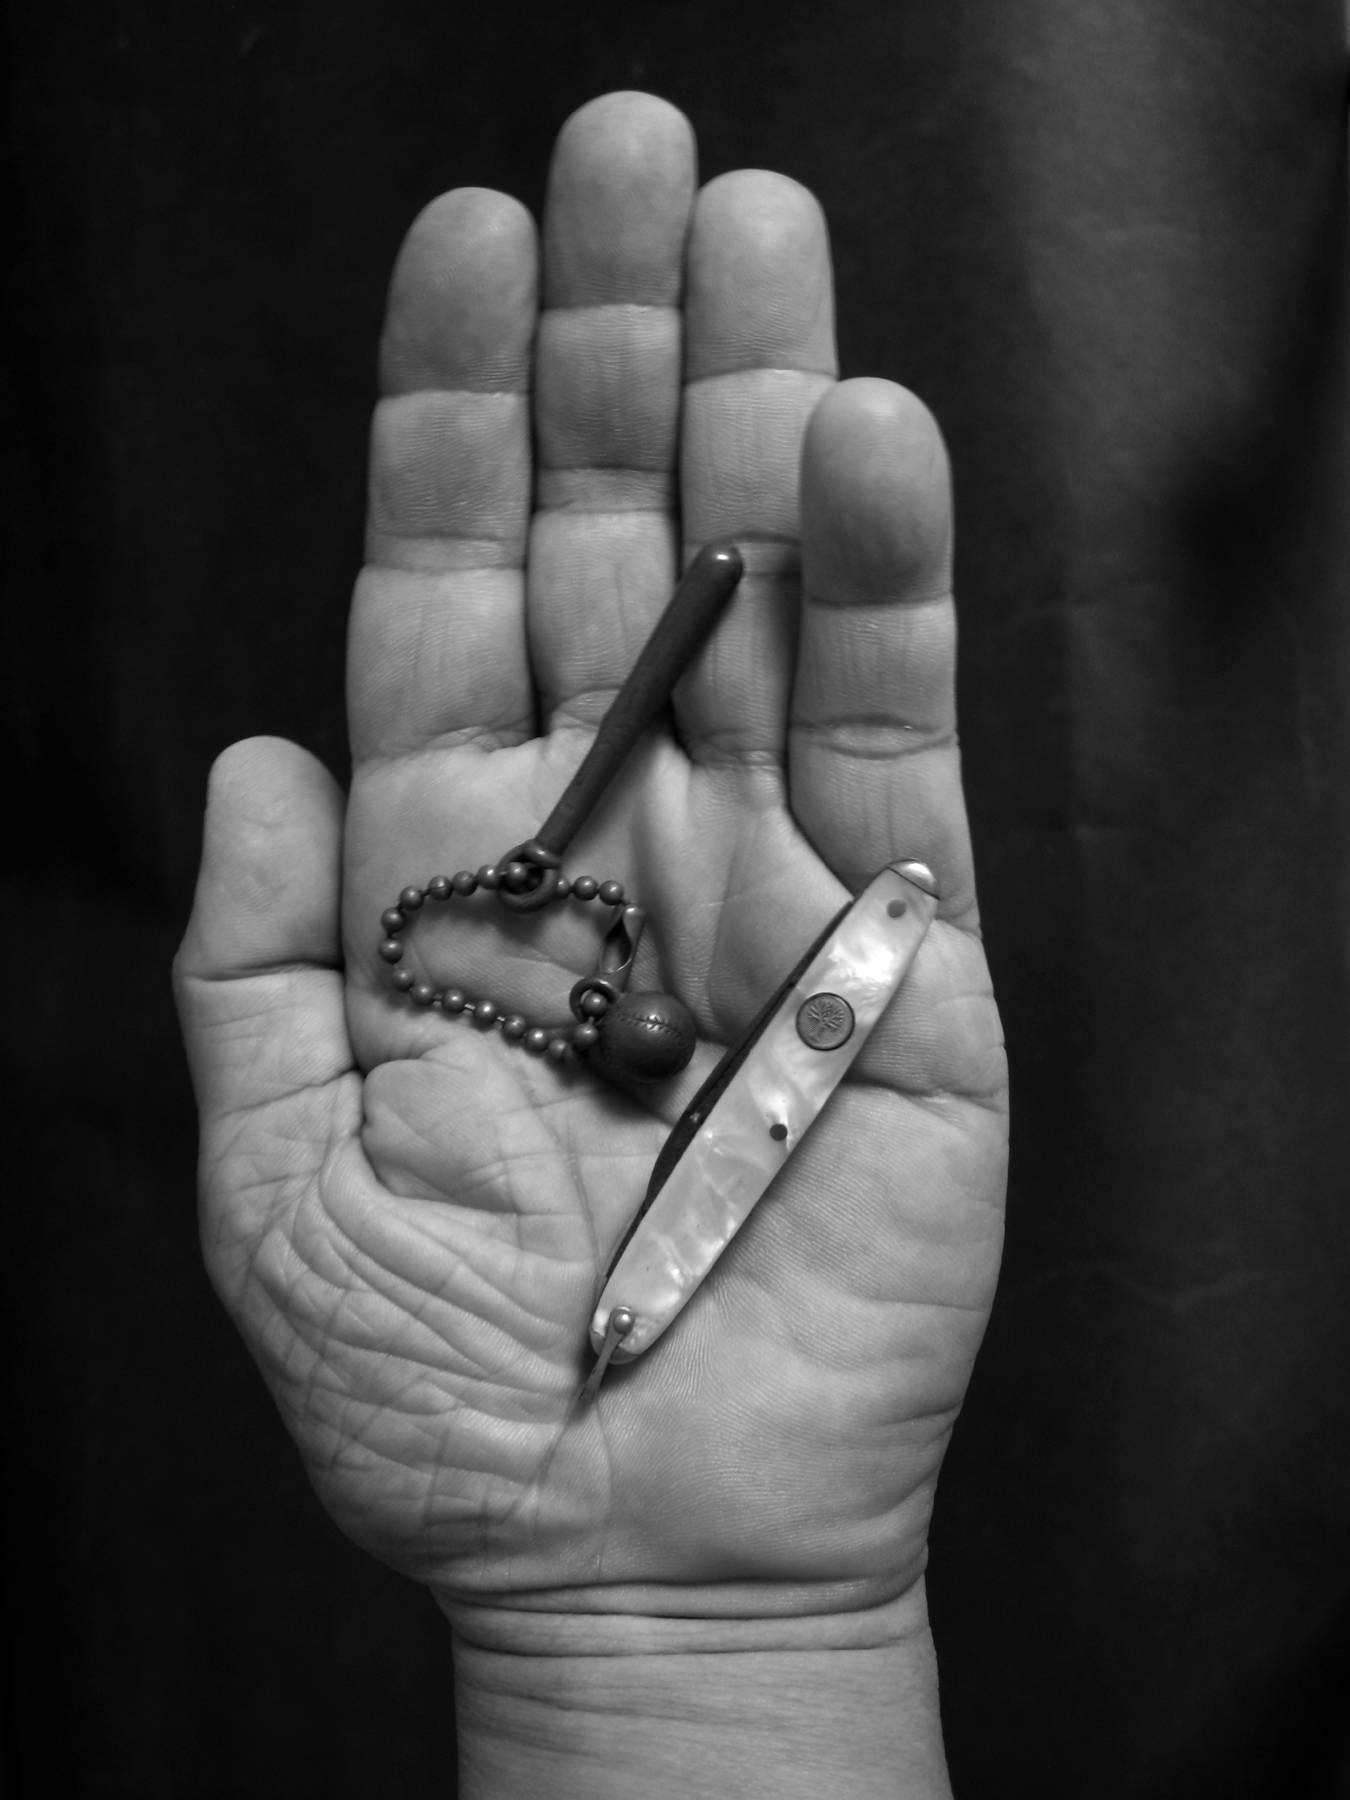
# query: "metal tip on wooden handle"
[721,558]
[621,1321]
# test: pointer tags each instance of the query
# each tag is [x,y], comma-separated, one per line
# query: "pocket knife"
[754,1109]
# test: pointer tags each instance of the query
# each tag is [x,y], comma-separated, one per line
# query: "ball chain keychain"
[646,1036]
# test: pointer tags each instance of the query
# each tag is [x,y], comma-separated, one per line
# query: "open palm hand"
[408,1215]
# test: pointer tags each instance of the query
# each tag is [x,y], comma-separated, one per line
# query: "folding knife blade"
[748,1117]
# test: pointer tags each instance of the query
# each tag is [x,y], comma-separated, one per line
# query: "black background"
[1106,243]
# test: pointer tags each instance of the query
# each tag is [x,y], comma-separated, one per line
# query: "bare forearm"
[628,1717]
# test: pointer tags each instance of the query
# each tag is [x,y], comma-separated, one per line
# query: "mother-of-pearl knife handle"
[800,1051]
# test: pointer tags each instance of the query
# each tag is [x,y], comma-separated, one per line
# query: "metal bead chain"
[559,1046]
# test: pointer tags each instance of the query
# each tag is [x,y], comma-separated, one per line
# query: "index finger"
[437,646]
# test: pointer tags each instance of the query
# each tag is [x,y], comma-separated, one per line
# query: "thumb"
[258,976]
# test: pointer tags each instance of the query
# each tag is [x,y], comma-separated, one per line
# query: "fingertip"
[267,891]
[620,187]
[876,497]
[759,213]
[760,281]
[631,116]
[462,297]
[270,779]
[481,213]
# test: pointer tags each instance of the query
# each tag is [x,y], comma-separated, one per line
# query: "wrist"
[786,1704]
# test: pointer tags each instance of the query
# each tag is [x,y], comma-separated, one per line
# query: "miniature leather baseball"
[645,1037]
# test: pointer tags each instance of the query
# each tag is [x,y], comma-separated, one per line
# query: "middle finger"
[607,398]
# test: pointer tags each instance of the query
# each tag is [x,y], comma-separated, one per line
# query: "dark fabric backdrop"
[1106,242]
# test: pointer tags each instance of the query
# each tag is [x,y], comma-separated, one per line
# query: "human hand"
[407,1216]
